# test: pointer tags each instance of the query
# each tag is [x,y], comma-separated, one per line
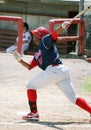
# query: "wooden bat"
[80,13]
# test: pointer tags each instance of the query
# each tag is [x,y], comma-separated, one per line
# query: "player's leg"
[11,49]
[32,100]
[81,102]
[48,77]
[43,79]
[67,88]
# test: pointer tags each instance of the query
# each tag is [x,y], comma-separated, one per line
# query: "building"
[39,12]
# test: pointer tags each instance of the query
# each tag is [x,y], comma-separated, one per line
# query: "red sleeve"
[54,36]
[33,64]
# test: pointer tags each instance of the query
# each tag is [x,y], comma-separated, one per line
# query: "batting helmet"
[40,32]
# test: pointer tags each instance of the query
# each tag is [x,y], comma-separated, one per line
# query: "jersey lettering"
[38,56]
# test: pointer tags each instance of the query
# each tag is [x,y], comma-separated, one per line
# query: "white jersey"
[26,37]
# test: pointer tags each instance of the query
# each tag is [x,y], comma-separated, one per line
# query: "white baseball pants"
[14,47]
[58,75]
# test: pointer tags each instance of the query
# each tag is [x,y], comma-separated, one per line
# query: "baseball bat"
[80,13]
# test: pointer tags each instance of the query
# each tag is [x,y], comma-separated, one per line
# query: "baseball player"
[54,71]
[26,38]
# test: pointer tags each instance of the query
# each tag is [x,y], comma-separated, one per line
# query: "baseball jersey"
[26,37]
[46,53]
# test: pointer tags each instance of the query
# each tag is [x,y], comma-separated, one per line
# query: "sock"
[81,102]
[33,107]
[32,97]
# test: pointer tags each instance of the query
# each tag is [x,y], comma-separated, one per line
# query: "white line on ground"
[18,123]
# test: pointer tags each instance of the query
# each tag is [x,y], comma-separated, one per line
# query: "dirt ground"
[56,111]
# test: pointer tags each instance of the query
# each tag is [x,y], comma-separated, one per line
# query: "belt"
[55,64]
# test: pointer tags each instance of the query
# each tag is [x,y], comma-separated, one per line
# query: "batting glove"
[17,55]
[65,24]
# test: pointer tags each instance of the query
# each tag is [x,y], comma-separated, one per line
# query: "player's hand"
[65,24]
[17,55]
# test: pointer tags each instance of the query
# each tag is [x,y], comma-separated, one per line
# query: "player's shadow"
[56,125]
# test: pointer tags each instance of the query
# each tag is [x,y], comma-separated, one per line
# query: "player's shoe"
[31,117]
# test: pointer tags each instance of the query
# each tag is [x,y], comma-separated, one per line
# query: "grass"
[87,84]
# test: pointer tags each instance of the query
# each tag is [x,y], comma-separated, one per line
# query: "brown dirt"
[56,112]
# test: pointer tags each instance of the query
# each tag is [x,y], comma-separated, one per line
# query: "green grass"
[87,84]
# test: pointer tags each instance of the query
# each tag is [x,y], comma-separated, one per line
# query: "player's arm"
[29,66]
[25,64]
[56,33]
[60,29]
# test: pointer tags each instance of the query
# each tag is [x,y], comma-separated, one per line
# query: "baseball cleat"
[31,117]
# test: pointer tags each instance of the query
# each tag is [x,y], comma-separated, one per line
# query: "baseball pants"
[58,75]
[14,47]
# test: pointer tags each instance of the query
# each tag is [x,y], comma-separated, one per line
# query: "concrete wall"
[35,13]
[33,20]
